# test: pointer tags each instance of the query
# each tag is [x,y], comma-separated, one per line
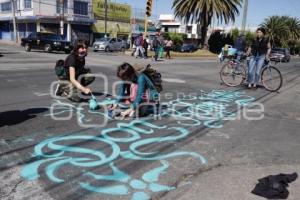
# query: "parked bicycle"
[234,75]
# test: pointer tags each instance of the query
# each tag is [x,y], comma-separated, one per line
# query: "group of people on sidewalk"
[159,45]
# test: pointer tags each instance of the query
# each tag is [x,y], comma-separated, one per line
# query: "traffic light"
[149,8]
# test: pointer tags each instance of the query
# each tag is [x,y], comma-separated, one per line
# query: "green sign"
[115,11]
[113,28]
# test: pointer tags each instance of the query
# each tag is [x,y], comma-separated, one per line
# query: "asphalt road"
[53,149]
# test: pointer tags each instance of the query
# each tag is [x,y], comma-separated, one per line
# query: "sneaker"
[249,86]
[58,91]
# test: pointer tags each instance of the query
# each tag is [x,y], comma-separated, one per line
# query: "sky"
[258,10]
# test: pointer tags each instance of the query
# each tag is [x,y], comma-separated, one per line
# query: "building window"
[5,6]
[80,8]
[189,29]
[58,7]
[27,4]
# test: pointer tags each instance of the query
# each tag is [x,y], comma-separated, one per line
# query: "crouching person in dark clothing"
[74,69]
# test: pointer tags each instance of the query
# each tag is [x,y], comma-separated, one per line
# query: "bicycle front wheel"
[271,79]
[231,75]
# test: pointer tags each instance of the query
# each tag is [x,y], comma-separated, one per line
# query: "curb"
[128,53]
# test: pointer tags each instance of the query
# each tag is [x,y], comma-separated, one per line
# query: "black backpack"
[155,77]
[60,70]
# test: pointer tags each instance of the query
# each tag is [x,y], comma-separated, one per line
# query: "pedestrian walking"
[139,46]
[145,47]
[169,45]
[161,47]
[156,46]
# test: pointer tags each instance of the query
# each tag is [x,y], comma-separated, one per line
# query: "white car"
[109,44]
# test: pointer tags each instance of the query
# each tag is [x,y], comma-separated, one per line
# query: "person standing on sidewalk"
[74,68]
[260,51]
[169,44]
[145,46]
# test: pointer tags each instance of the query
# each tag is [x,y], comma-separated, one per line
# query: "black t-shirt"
[78,63]
[260,47]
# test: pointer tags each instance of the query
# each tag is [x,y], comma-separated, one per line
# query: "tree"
[235,33]
[276,28]
[281,29]
[249,36]
[294,27]
[202,12]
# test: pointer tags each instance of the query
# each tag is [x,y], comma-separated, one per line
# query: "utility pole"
[14,20]
[62,17]
[245,13]
[105,20]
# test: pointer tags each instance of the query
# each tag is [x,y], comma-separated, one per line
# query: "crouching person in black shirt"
[74,68]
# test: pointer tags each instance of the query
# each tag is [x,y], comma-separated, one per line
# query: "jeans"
[238,59]
[156,51]
[138,50]
[254,70]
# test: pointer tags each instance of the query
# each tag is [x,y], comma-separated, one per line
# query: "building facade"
[45,16]
[168,23]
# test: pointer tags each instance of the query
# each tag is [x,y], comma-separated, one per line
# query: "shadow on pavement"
[10,118]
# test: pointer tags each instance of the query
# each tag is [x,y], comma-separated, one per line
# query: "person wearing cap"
[260,50]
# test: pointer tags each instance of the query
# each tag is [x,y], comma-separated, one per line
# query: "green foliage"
[281,29]
[202,12]
[250,36]
[235,33]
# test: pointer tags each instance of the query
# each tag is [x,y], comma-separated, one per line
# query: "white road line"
[40,94]
[173,80]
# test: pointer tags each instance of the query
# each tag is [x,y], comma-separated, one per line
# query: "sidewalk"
[197,54]
[7,47]
[9,43]
[234,183]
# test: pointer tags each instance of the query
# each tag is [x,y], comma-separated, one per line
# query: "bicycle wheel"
[271,78]
[231,75]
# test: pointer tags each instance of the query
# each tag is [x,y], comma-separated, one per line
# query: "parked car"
[189,48]
[109,44]
[280,54]
[46,41]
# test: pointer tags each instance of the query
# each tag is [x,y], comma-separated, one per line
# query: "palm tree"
[294,27]
[282,28]
[202,11]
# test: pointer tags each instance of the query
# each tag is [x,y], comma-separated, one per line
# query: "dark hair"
[262,30]
[80,44]
[126,72]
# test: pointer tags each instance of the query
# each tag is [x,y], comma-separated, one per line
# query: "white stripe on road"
[173,80]
[40,94]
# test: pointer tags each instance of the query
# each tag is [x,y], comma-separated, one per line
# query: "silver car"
[109,44]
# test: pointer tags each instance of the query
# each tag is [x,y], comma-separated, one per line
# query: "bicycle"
[234,76]
[230,74]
